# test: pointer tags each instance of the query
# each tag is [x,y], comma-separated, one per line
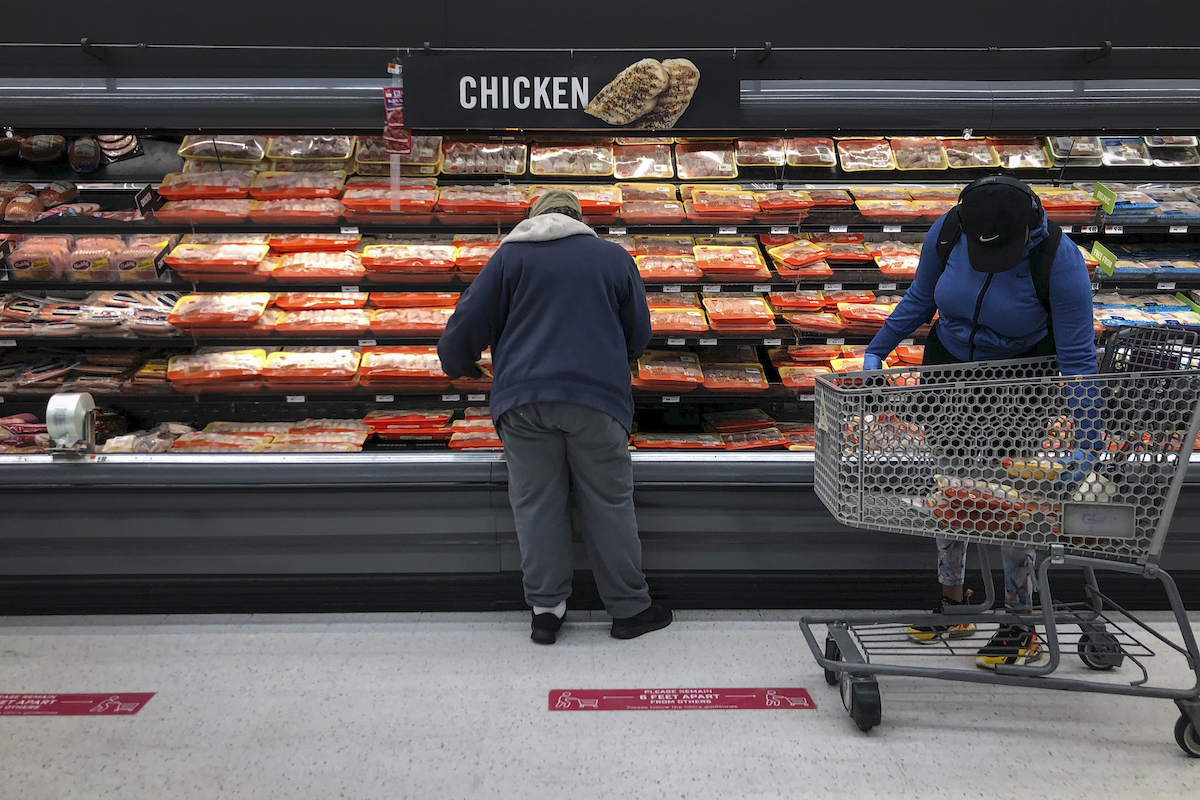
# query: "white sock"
[558,611]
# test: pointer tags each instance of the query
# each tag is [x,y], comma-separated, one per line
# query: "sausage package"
[643,162]
[934,192]
[410,320]
[866,155]
[320,266]
[206,185]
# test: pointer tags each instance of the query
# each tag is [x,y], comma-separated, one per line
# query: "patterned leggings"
[1018,571]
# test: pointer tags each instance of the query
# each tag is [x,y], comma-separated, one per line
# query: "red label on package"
[680,699]
[397,140]
[73,705]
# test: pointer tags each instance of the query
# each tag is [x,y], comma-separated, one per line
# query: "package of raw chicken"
[748,419]
[720,257]
[817,270]
[577,160]
[738,309]
[918,152]
[222,308]
[666,269]
[409,258]
[765,439]
[784,200]
[667,321]
[216,365]
[803,355]
[412,362]
[910,354]
[866,155]
[660,192]
[282,185]
[1021,153]
[667,301]
[970,153]
[373,150]
[309,363]
[760,152]
[482,199]
[415,299]
[203,211]
[811,153]
[830,198]
[801,436]
[314,147]
[406,199]
[321,211]
[735,378]
[833,298]
[798,253]
[205,185]
[265,430]
[800,300]
[802,378]
[643,161]
[652,212]
[224,147]
[215,442]
[483,158]
[888,210]
[932,210]
[385,419]
[410,320]
[339,320]
[664,245]
[706,160]
[898,266]
[678,370]
[815,322]
[724,201]
[320,301]
[217,257]
[310,426]
[328,266]
[677,441]
[476,440]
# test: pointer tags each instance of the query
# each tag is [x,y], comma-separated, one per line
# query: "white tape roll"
[66,418]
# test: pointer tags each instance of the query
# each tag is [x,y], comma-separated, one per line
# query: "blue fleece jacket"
[563,317]
[985,316]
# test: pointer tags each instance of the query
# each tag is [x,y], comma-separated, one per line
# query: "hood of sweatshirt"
[547,228]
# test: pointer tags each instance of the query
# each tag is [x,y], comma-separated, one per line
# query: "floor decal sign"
[680,699]
[73,705]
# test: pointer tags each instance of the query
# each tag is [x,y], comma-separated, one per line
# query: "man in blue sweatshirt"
[989,306]
[564,313]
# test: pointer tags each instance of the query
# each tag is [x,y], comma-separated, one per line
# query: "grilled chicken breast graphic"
[674,100]
[632,93]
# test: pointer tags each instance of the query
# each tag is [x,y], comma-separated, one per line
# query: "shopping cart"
[1085,472]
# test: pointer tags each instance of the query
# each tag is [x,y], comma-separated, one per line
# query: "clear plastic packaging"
[409,258]
[815,322]
[223,308]
[1077,151]
[472,258]
[648,191]
[816,270]
[761,152]
[23,208]
[482,199]
[593,160]
[281,185]
[830,198]
[592,198]
[667,301]
[40,258]
[1020,153]
[402,363]
[217,257]
[91,259]
[932,210]
[934,192]
[312,363]
[652,212]
[318,211]
[1125,153]
[735,378]
[677,441]
[970,153]
[705,160]
[645,245]
[1175,157]
[865,155]
[667,269]
[742,420]
[889,210]
[299,301]
[343,320]
[425,150]
[799,300]
[879,193]
[686,320]
[314,147]
[802,378]
[224,148]
[643,161]
[766,439]
[798,253]
[305,242]
[917,152]
[738,309]
[811,153]
[410,320]
[330,266]
[475,440]
[783,201]
[483,158]
[1166,140]
[678,371]
[206,185]
[203,211]
[216,365]
[724,201]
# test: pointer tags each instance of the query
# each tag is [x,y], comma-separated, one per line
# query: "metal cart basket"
[1085,472]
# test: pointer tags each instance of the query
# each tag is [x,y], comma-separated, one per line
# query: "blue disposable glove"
[872,362]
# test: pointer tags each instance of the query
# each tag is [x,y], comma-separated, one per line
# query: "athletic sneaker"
[654,618]
[1011,645]
[931,634]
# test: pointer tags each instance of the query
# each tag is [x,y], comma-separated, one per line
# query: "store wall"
[618,23]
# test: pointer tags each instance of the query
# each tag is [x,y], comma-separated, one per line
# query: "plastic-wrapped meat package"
[749,419]
[1078,151]
[801,436]
[934,192]
[1175,156]
[760,152]
[799,253]
[415,299]
[735,378]
[811,153]
[483,199]
[222,308]
[732,263]
[879,193]
[224,147]
[410,320]
[748,309]
[667,301]
[815,322]
[591,197]
[802,378]
[833,298]
[476,440]
[322,211]
[783,201]
[888,210]
[23,208]
[40,258]
[425,150]
[911,353]
[706,160]
[689,320]
[205,185]
[765,439]
[677,441]
[406,199]
[407,367]
[870,314]
[899,265]
[1178,212]
[200,442]
[483,158]
[333,266]
[816,270]
[312,363]
[803,355]
[724,201]
[299,301]
[648,191]
[913,153]
[800,300]
[1021,153]
[594,160]
[341,320]
[137,260]
[1125,153]
[866,155]
[203,211]
[892,247]
[673,371]
[847,252]
[652,212]
[355,438]
[279,185]
[623,242]
[305,242]
[932,210]
[216,365]
[664,245]
[409,258]
[970,153]
[315,147]
[647,161]
[830,198]
[217,257]
[665,269]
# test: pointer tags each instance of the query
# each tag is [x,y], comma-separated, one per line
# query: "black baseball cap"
[996,214]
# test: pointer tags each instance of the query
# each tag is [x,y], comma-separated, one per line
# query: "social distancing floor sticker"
[73,705]
[775,699]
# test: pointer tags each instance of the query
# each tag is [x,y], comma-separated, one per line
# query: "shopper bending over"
[564,313]
[1005,283]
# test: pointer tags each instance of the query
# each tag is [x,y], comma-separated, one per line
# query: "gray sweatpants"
[556,452]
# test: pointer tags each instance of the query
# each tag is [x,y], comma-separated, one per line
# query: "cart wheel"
[1100,650]
[1187,737]
[861,699]
[833,653]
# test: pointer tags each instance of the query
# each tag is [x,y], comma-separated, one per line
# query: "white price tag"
[349,290]
[1095,287]
[891,228]
[616,231]
[675,341]
[762,287]
[672,289]
[1179,229]
[295,398]
[1166,285]
[366,342]
[779,230]
[772,342]
[1090,229]
[450,398]
[8,342]
[712,288]
[835,342]
[1,400]
[1068,228]
[808,398]
[887,287]
[1115,230]
[708,342]
[477,398]
[385,398]
[838,228]
[833,287]
[670,398]
[350,231]
[727,230]
[907,343]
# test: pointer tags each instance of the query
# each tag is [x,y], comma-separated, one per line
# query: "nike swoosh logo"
[989,238]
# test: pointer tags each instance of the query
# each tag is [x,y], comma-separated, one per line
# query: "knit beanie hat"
[557,201]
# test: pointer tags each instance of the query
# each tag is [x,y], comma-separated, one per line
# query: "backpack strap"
[1041,261]
[948,236]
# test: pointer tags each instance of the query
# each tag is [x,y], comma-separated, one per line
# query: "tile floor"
[433,706]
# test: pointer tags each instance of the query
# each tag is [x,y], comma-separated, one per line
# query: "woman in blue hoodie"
[988,307]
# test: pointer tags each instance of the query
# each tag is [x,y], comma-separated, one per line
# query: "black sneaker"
[1011,644]
[654,618]
[545,628]
[930,634]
